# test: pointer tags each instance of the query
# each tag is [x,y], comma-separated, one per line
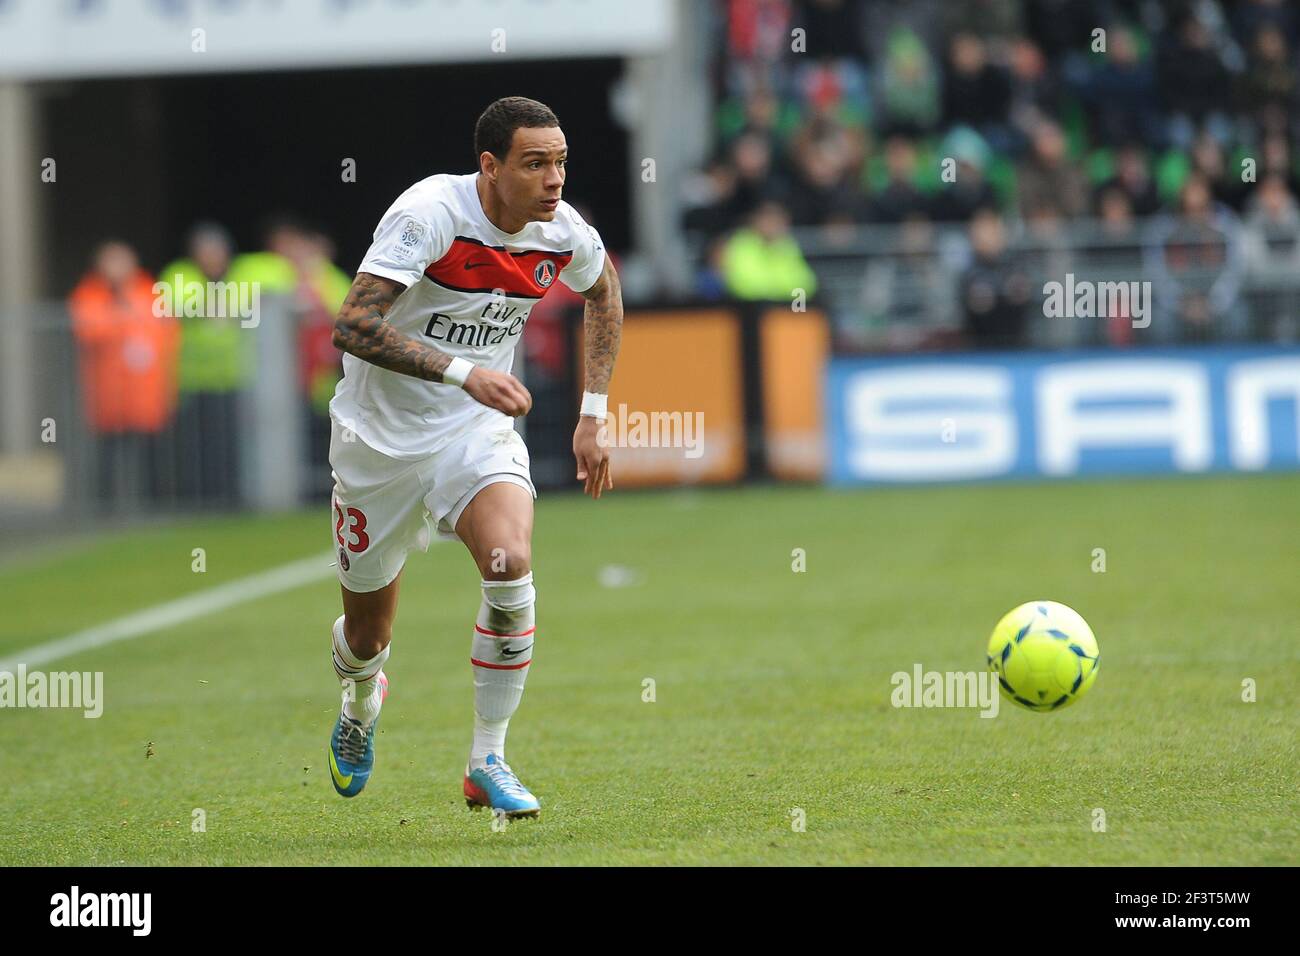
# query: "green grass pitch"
[772,690]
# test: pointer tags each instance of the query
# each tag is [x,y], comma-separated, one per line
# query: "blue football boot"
[495,786]
[352,750]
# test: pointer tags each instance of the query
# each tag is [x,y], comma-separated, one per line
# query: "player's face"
[532,177]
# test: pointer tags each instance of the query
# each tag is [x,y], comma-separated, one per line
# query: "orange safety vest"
[128,355]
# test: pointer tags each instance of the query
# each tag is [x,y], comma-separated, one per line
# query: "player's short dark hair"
[495,129]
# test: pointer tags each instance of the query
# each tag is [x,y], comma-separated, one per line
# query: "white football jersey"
[469,289]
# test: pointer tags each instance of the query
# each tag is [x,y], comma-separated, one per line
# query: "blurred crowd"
[1004,143]
[161,364]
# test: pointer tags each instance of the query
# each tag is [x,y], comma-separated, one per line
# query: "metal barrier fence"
[263,446]
[99,448]
[891,288]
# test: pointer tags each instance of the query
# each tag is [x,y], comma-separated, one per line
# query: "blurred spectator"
[1193,81]
[957,201]
[1195,261]
[1133,178]
[827,192]
[1272,246]
[709,282]
[285,254]
[127,351]
[709,198]
[1047,178]
[1275,160]
[215,363]
[322,287]
[977,93]
[1208,161]
[318,290]
[761,112]
[908,86]
[900,198]
[1115,211]
[834,64]
[1047,254]
[763,261]
[832,124]
[756,179]
[220,350]
[1273,225]
[757,40]
[1268,87]
[1119,91]
[711,204]
[1035,92]
[994,289]
[1118,259]
[219,353]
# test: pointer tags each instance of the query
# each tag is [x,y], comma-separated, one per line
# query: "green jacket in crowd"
[217,353]
[753,268]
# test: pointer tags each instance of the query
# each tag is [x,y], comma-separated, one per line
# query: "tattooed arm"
[362,329]
[602,328]
[602,331]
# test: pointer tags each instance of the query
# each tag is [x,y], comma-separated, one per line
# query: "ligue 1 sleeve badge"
[544,274]
[412,232]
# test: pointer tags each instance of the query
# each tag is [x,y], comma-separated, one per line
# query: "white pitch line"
[284,578]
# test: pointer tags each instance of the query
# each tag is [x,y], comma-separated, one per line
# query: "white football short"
[383,507]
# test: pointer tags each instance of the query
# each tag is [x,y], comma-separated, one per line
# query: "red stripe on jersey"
[471,266]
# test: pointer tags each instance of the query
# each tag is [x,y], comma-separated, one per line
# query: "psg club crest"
[343,560]
[544,274]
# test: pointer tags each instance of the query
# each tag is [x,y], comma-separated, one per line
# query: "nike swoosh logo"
[339,779]
[515,652]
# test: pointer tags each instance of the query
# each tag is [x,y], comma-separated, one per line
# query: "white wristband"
[457,371]
[595,405]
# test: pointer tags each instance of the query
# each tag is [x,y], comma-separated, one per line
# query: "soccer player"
[423,435]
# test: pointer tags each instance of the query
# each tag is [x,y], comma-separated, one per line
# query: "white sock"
[489,738]
[362,695]
[501,652]
[364,709]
